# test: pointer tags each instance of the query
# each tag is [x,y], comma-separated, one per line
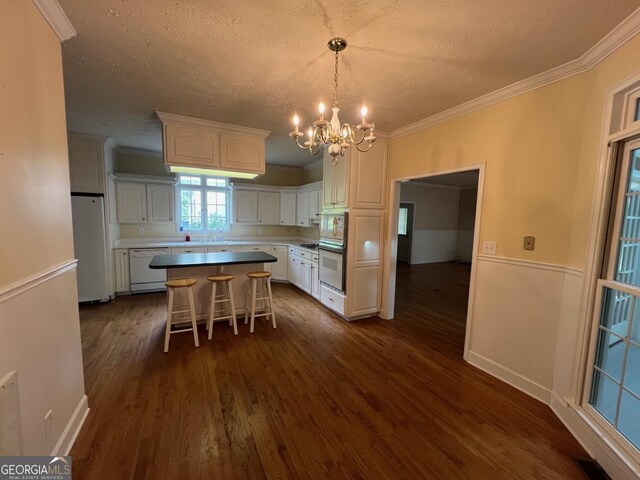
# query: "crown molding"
[625,31]
[56,18]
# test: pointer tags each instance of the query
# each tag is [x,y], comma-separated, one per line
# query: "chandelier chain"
[335,83]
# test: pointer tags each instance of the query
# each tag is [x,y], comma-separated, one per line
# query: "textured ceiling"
[253,63]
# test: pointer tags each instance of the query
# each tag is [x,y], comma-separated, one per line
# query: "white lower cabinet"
[279,268]
[121,259]
[332,299]
[292,264]
[315,280]
[222,248]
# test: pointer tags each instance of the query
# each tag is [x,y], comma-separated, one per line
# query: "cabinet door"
[291,268]
[191,146]
[241,153]
[160,203]
[369,174]
[299,280]
[314,213]
[132,202]
[341,182]
[315,281]
[245,206]
[287,208]
[327,181]
[121,259]
[86,164]
[302,201]
[306,276]
[178,250]
[279,268]
[269,208]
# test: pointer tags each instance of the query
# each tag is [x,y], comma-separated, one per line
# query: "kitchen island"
[200,265]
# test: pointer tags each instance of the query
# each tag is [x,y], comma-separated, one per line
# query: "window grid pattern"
[615,390]
[203,203]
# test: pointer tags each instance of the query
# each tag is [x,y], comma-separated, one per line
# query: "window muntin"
[203,203]
[615,388]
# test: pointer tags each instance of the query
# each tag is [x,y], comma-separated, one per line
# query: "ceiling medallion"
[337,137]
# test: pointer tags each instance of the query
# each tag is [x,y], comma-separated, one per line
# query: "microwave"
[333,229]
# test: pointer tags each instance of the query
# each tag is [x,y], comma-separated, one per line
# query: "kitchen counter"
[183,260]
[162,242]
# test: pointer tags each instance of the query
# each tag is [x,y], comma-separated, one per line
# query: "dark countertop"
[182,260]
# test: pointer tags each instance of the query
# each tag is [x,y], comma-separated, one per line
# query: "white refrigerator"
[90,247]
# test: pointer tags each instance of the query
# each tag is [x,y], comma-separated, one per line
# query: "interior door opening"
[436,225]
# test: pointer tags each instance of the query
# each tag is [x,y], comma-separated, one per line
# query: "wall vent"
[10,429]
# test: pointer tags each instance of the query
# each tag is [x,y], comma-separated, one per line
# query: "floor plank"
[316,398]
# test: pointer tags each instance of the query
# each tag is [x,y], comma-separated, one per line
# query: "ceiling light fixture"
[337,137]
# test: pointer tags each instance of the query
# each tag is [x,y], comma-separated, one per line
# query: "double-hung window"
[203,203]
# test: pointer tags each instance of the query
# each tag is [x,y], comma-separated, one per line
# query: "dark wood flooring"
[316,398]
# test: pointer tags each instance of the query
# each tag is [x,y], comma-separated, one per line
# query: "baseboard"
[68,437]
[615,461]
[514,379]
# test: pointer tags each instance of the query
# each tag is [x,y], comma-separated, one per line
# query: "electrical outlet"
[141,231]
[48,424]
[489,247]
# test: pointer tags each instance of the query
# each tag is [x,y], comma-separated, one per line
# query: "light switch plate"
[529,243]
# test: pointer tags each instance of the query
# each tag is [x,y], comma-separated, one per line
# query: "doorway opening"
[436,225]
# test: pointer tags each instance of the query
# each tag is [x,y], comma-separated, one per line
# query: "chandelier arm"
[302,146]
[353,135]
[366,149]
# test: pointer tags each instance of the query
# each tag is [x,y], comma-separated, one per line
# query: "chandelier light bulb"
[310,133]
[296,121]
[364,111]
[321,108]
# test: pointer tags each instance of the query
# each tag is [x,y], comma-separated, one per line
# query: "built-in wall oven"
[332,250]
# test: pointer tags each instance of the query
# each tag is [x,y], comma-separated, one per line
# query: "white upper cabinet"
[139,202]
[87,172]
[132,202]
[335,181]
[160,203]
[288,208]
[356,180]
[269,208]
[302,201]
[191,146]
[241,153]
[197,143]
[245,206]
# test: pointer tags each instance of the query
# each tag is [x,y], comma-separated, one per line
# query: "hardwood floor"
[315,398]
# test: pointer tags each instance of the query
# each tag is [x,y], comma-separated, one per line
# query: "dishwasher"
[143,278]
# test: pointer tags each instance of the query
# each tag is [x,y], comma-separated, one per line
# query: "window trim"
[204,188]
[631,107]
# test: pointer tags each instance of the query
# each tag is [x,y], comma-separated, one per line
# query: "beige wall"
[140,162]
[530,146]
[40,334]
[280,175]
[436,208]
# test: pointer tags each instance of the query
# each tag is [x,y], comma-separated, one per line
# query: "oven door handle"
[331,249]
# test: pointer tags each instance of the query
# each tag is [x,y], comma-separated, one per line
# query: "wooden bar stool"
[172,285]
[254,277]
[224,279]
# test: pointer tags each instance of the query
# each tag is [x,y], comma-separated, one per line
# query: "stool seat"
[259,274]
[181,283]
[221,278]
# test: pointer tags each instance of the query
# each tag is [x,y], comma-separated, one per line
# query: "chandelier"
[332,134]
